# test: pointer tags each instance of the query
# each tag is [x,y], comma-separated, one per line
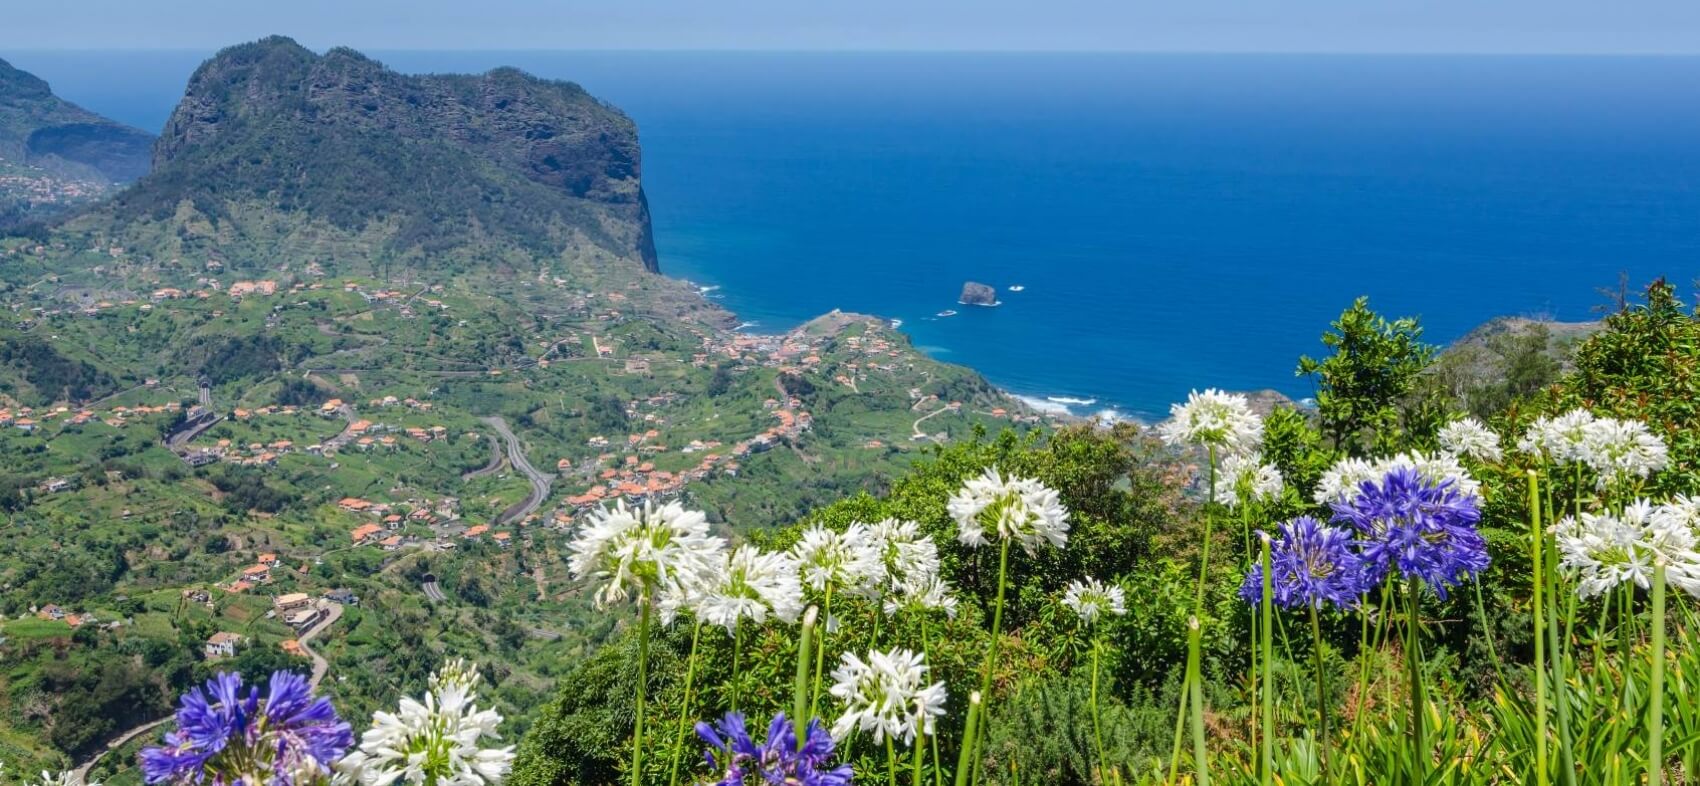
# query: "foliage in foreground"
[1517,676]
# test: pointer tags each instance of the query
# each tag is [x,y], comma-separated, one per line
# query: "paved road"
[539,482]
[433,592]
[495,462]
[916,426]
[320,667]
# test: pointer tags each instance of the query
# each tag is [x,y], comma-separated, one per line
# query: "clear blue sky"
[1510,26]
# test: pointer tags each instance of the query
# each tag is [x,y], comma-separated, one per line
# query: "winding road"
[320,668]
[540,482]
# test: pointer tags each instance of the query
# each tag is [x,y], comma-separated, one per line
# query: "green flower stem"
[1267,607]
[966,759]
[1537,545]
[1204,553]
[800,685]
[1200,754]
[1321,691]
[1097,726]
[1656,710]
[737,654]
[919,750]
[820,655]
[891,760]
[685,711]
[1559,652]
[968,733]
[1245,508]
[932,739]
[1180,727]
[1419,693]
[642,683]
[1487,631]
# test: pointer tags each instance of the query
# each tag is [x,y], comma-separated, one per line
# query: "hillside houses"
[223,644]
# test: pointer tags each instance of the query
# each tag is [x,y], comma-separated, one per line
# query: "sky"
[1355,26]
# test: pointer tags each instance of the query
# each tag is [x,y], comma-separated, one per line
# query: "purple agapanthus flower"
[1424,529]
[777,762]
[231,737]
[1312,564]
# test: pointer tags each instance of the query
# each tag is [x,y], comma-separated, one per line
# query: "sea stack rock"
[975,293]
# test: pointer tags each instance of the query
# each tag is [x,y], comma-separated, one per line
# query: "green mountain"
[55,154]
[277,153]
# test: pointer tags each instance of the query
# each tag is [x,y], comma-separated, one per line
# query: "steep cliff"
[275,150]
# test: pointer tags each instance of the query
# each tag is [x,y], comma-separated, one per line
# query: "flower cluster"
[1420,526]
[1343,482]
[644,550]
[1247,474]
[1019,509]
[1310,564]
[1213,419]
[750,584]
[1091,599]
[1604,551]
[780,760]
[1558,440]
[846,561]
[231,736]
[1614,449]
[1468,437]
[435,741]
[1619,449]
[906,556]
[887,694]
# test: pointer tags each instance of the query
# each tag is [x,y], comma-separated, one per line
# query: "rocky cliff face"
[42,131]
[498,159]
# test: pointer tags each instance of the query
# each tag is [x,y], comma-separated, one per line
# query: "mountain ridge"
[272,139]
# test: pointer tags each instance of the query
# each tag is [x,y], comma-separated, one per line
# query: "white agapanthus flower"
[1342,480]
[847,561]
[1435,468]
[1604,551]
[1019,509]
[925,593]
[1247,472]
[1213,419]
[887,694]
[1620,449]
[436,741]
[1468,437]
[1558,440]
[647,549]
[60,778]
[1091,599]
[905,553]
[752,584]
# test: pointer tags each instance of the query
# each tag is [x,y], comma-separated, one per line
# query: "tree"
[1645,365]
[1363,390]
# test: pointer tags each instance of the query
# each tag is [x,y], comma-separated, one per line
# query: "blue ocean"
[1172,221]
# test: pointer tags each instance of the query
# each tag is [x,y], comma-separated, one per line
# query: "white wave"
[1071,401]
[1044,405]
[706,290]
[745,325]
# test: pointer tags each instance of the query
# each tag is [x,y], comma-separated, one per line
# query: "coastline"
[1057,407]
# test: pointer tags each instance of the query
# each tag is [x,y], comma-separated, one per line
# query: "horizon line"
[891,51]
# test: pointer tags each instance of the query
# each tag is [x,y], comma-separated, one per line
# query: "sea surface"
[1176,221]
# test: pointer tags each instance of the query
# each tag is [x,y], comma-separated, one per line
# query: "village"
[670,441]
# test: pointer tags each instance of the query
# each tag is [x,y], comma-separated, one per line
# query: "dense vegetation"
[1138,523]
